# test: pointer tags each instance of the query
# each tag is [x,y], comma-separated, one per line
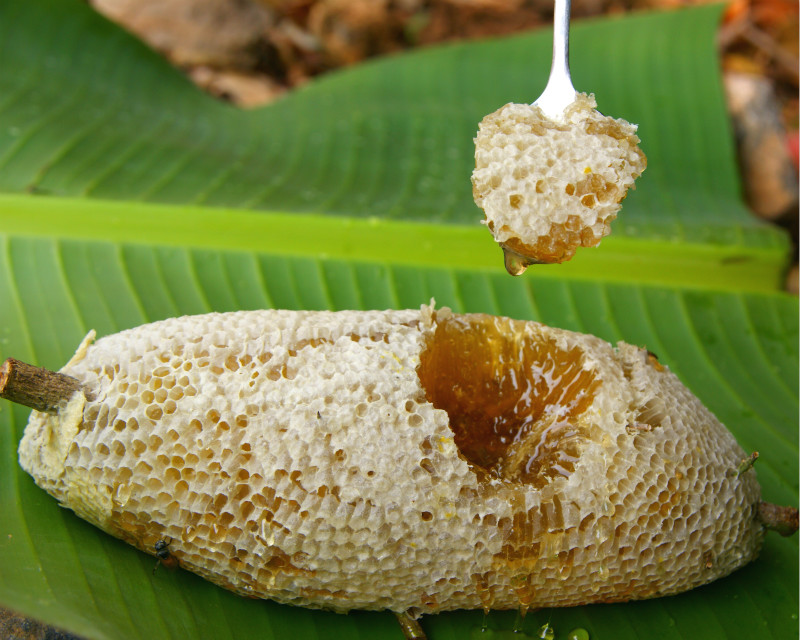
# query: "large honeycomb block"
[548,187]
[405,460]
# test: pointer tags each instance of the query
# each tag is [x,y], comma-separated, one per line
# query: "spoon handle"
[559,92]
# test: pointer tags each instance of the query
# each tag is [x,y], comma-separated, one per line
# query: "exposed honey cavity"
[512,398]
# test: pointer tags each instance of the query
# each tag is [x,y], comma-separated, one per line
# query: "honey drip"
[514,263]
[512,399]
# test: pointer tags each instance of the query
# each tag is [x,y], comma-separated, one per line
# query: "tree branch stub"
[35,387]
[784,520]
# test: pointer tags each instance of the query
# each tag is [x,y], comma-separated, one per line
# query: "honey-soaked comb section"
[560,242]
[511,396]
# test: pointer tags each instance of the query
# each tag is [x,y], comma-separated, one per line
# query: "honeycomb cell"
[118,448]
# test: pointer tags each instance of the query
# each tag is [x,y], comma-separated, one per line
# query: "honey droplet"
[578,634]
[515,264]
[546,631]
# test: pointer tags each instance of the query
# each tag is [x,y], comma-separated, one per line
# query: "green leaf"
[730,348]
[127,196]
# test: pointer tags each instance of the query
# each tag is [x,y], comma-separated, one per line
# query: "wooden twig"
[784,520]
[747,463]
[35,387]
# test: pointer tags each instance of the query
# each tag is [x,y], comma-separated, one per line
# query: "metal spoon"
[559,92]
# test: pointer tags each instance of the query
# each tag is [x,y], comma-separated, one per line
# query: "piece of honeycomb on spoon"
[550,186]
[550,176]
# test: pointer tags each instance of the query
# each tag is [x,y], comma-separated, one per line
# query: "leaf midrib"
[622,259]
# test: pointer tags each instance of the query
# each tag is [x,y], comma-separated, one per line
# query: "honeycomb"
[411,460]
[548,187]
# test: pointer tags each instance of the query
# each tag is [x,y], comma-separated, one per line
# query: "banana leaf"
[127,196]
